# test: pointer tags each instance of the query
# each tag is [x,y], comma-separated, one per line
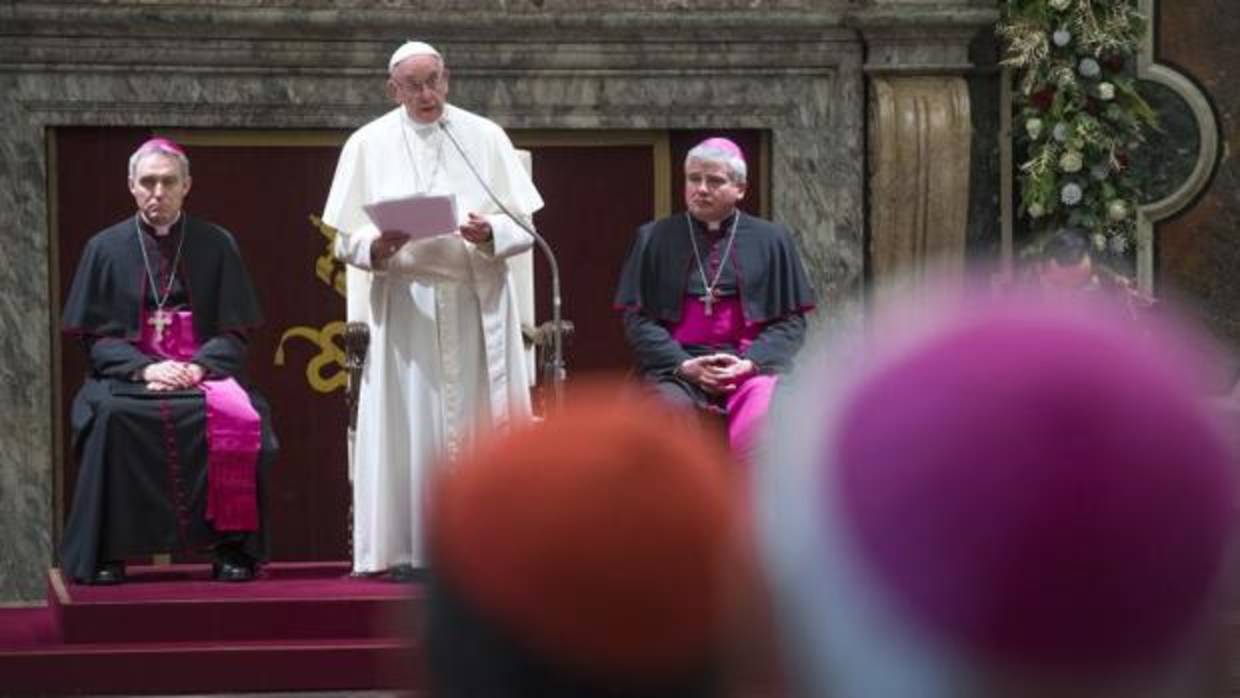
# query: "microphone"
[555,370]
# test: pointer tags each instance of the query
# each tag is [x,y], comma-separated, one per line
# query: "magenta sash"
[746,406]
[234,430]
[725,324]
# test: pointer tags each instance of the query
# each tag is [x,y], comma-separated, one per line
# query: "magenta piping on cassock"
[234,432]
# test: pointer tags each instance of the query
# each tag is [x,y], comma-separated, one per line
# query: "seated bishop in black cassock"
[714,300]
[171,443]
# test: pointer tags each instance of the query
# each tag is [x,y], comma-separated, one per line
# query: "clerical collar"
[157,231]
[724,226]
[419,127]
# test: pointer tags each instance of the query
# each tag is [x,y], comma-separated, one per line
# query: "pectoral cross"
[708,299]
[159,320]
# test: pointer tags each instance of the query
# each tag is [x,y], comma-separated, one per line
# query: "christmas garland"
[1077,116]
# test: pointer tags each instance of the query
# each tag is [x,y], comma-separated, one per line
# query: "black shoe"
[232,565]
[108,573]
[231,572]
[405,574]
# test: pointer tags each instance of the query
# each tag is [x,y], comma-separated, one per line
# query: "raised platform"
[299,627]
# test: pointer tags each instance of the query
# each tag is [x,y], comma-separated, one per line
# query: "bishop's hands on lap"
[172,375]
[717,374]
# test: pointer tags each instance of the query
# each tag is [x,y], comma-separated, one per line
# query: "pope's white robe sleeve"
[508,240]
[510,180]
[354,248]
[354,231]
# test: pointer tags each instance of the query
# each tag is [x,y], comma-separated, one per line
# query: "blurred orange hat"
[596,539]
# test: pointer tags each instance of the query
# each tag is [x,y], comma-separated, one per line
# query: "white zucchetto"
[410,49]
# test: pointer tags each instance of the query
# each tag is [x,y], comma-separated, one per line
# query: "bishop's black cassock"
[762,268]
[142,455]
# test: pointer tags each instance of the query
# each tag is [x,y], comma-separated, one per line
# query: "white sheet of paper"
[418,215]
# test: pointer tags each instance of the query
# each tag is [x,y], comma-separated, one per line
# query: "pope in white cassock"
[446,359]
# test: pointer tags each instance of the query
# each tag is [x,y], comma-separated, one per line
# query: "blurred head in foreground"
[582,556]
[1001,498]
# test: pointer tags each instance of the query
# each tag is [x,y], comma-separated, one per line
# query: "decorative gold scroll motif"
[331,354]
[329,269]
[329,339]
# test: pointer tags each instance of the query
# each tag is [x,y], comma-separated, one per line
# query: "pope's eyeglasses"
[414,87]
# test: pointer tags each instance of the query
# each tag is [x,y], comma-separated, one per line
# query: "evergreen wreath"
[1078,117]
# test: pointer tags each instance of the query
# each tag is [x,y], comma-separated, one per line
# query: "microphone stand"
[554,370]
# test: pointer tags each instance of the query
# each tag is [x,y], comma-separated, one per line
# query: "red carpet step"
[179,603]
[170,629]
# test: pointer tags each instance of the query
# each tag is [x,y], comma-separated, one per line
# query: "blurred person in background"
[1066,266]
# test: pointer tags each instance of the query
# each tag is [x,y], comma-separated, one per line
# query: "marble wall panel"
[25,369]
